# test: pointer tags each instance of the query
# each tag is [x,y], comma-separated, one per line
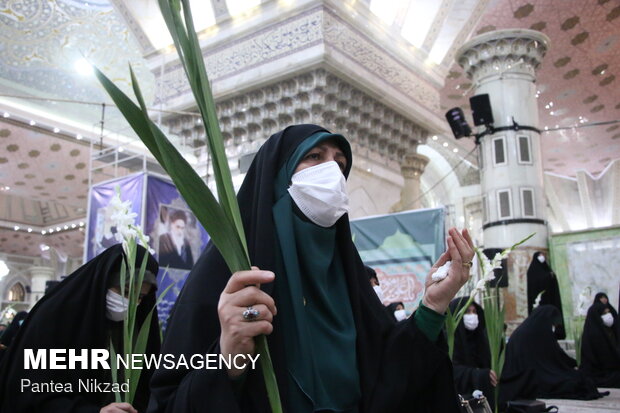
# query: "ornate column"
[39,276]
[412,166]
[503,65]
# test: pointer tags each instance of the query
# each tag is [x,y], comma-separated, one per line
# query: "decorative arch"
[16,293]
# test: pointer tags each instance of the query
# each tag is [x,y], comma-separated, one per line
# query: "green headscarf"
[313,302]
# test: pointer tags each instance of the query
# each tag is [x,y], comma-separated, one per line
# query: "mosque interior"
[383,73]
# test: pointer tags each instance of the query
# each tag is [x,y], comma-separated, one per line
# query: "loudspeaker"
[481,109]
[501,274]
[457,123]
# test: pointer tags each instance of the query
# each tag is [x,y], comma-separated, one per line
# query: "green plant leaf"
[193,189]
[268,374]
[117,395]
[221,220]
[139,348]
[188,47]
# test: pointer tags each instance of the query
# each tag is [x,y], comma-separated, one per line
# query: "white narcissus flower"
[480,285]
[487,267]
[123,219]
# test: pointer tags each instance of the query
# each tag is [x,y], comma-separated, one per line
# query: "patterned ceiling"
[578,80]
[70,243]
[44,42]
[41,41]
[43,169]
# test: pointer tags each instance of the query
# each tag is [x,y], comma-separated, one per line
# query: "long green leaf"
[117,395]
[192,188]
[268,374]
[222,222]
[186,173]
[190,55]
[139,348]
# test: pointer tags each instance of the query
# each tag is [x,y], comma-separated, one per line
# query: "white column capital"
[413,165]
[502,52]
[39,271]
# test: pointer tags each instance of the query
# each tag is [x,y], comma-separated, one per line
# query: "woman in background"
[397,310]
[472,357]
[84,311]
[533,346]
[542,280]
[600,345]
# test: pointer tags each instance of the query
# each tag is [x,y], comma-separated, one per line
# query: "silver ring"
[250,314]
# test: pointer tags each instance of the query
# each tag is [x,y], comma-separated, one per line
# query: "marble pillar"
[412,167]
[503,65]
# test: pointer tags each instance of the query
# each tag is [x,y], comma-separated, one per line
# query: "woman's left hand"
[461,252]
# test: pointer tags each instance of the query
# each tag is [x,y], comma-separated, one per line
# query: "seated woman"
[334,347]
[397,310]
[472,360]
[84,311]
[600,346]
[533,347]
[471,356]
[602,297]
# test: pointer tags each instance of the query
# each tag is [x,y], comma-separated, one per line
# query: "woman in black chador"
[600,345]
[84,311]
[333,345]
[472,357]
[603,298]
[541,279]
[533,346]
[472,360]
[396,310]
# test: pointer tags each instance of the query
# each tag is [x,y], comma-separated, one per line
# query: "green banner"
[402,248]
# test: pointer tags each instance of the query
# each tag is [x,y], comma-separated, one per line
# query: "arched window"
[17,293]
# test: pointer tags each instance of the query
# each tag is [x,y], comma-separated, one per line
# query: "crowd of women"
[333,345]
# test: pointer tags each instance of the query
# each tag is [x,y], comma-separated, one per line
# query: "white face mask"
[115,306]
[400,315]
[378,291]
[320,193]
[541,258]
[470,321]
[608,319]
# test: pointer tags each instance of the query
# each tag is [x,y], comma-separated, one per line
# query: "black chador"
[472,363]
[73,316]
[533,347]
[471,356]
[600,346]
[541,279]
[400,370]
